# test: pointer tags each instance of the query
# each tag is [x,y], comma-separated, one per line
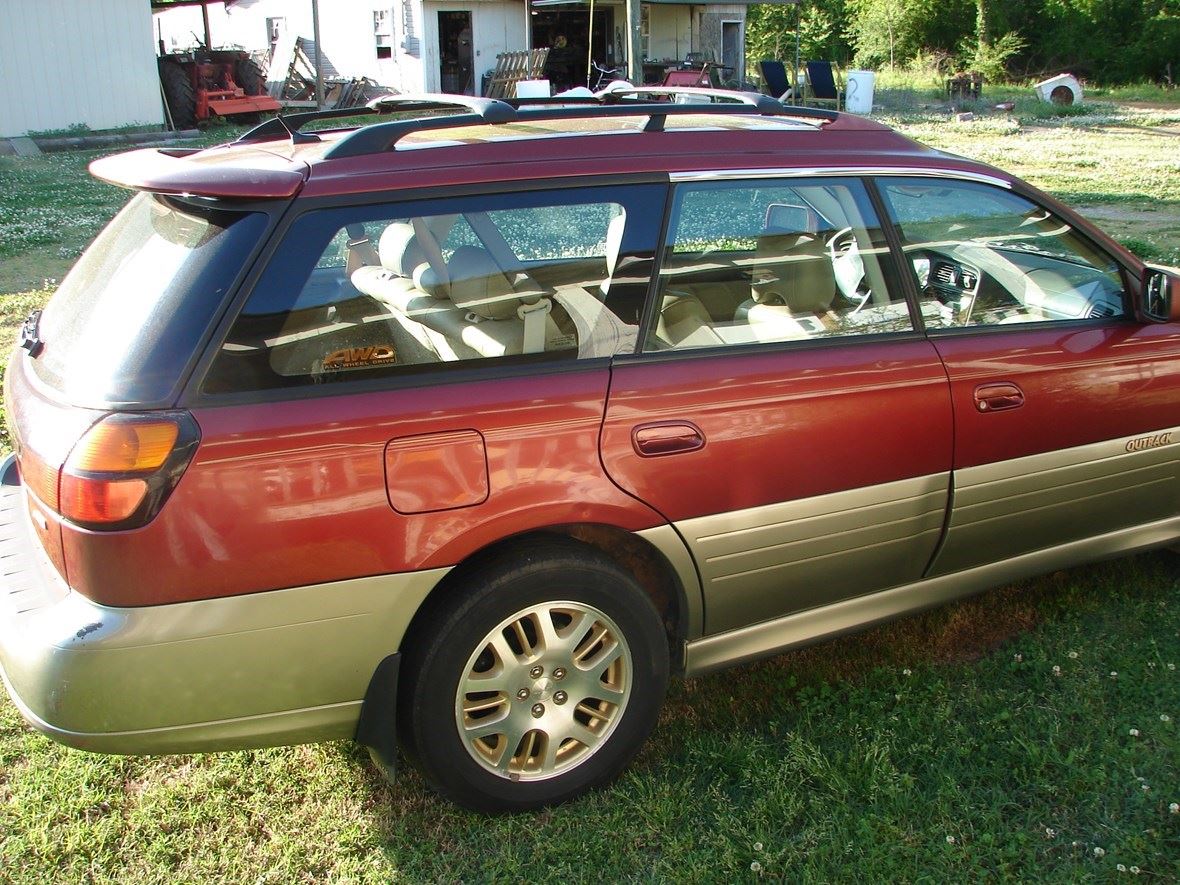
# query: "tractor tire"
[250,77]
[178,93]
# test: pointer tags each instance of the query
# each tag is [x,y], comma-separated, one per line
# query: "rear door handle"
[667,438]
[998,397]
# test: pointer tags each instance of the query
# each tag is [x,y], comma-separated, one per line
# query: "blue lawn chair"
[774,76]
[821,84]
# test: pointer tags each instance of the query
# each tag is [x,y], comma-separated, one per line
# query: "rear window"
[130,314]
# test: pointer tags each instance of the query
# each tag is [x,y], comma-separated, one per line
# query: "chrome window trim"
[843,172]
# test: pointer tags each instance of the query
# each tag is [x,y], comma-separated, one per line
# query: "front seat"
[792,288]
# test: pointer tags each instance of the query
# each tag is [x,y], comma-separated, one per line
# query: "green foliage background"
[1106,41]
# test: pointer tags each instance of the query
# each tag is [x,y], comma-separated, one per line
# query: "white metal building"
[70,62]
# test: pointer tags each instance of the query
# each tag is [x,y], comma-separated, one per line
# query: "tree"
[876,28]
[982,35]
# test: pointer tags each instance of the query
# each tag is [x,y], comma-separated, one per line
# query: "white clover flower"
[1174,808]
[757,846]
[1099,851]
[1114,674]
[1134,732]
[755,867]
[1056,670]
[1018,657]
[1135,870]
[950,840]
[1050,833]
[1171,666]
[1121,868]
[1073,655]
[907,672]
[1164,717]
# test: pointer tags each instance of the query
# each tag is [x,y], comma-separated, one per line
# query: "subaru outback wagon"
[462,431]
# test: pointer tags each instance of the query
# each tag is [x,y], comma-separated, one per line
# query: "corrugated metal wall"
[64,62]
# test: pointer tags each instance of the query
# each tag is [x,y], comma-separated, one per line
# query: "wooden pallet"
[512,67]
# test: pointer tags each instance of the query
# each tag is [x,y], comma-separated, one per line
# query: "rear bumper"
[266,669]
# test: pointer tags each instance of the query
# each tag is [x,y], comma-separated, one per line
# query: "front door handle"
[998,397]
[667,438]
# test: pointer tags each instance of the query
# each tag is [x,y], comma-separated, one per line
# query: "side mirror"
[1159,296]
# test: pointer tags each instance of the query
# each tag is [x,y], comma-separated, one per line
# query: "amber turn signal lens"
[124,446]
[100,500]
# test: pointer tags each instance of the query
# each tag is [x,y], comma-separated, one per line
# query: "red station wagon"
[460,432]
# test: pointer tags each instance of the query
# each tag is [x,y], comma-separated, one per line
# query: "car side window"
[399,288]
[769,261]
[985,256]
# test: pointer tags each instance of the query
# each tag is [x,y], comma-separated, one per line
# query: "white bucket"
[532,89]
[858,94]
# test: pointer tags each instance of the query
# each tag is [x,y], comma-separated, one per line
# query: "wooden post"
[634,43]
[319,54]
[205,20]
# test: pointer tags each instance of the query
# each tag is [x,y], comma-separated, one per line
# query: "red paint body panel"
[293,493]
[248,174]
[780,424]
[1081,384]
[709,151]
[44,432]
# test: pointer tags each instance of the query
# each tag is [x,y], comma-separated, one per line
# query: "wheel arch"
[657,559]
[655,563]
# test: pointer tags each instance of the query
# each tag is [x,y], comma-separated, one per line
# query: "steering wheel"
[848,266]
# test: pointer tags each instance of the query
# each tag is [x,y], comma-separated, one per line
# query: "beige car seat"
[792,288]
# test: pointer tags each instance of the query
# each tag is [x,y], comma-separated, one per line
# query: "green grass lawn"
[1028,734]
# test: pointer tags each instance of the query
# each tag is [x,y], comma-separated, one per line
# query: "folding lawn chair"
[774,77]
[821,84]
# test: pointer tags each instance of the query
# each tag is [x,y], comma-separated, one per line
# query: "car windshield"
[130,315]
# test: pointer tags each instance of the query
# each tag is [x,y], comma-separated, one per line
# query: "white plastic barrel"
[858,94]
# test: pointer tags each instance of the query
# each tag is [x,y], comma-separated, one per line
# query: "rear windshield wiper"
[30,338]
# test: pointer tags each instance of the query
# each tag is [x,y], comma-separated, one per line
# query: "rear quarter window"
[130,315]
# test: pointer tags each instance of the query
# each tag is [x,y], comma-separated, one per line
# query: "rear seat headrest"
[399,250]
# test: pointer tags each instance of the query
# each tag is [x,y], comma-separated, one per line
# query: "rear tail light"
[122,470]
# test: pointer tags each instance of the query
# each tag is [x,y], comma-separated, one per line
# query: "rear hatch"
[119,338]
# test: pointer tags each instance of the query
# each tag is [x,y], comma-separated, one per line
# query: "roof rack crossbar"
[288,125]
[381,137]
[764,103]
[490,110]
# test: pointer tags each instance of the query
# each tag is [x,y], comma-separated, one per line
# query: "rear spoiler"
[256,175]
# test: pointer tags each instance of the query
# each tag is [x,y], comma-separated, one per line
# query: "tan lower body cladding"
[1009,520]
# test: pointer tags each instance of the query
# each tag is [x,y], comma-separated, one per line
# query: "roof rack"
[289,125]
[633,102]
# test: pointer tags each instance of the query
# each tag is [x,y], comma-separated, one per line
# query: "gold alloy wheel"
[543,690]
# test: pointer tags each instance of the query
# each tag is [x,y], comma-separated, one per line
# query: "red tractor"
[203,82]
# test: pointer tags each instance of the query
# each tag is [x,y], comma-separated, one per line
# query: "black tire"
[178,92]
[554,579]
[249,76]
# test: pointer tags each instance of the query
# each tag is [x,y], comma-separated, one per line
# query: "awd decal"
[1149,442]
[357,357]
